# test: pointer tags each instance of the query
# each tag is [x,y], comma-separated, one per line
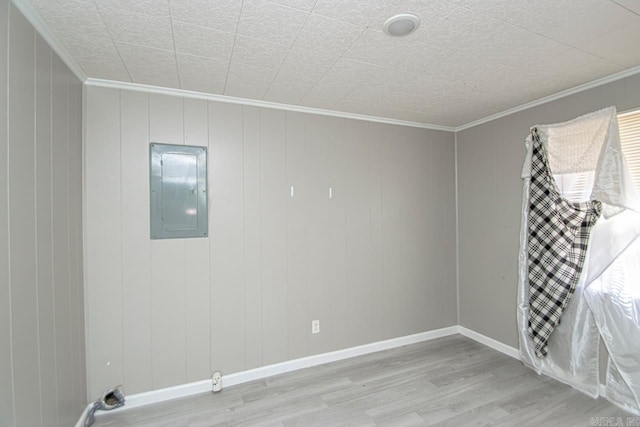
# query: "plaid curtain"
[558,234]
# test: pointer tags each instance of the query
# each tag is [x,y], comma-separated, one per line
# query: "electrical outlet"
[315,326]
[216,381]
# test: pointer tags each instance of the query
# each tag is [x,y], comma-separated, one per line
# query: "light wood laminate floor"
[448,381]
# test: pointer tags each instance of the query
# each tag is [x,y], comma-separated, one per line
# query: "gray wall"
[376,261]
[42,362]
[490,158]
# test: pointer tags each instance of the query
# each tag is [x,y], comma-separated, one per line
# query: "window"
[576,187]
[629,124]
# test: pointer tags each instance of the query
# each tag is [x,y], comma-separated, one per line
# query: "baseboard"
[510,351]
[320,359]
[490,342]
[164,394]
[184,390]
[602,390]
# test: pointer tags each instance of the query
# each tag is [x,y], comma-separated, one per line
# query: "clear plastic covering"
[587,163]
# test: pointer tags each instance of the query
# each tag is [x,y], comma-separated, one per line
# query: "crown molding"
[590,85]
[41,27]
[257,103]
[266,104]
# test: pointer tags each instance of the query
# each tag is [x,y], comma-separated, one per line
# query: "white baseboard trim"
[602,390]
[513,352]
[184,390]
[490,342]
[320,359]
[163,394]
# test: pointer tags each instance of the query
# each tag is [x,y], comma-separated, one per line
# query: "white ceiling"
[469,58]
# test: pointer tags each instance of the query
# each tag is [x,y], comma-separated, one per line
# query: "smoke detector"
[401,25]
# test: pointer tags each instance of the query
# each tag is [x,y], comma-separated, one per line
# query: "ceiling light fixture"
[401,25]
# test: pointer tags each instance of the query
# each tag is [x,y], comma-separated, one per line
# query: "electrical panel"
[178,185]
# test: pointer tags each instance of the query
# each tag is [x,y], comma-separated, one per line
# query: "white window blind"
[577,187]
[629,124]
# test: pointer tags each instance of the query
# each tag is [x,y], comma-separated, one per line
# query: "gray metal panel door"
[178,182]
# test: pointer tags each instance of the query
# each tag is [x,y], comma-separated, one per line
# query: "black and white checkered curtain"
[558,233]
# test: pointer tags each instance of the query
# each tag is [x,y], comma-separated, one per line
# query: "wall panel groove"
[22,241]
[7,411]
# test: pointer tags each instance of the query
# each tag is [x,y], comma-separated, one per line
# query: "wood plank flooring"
[448,381]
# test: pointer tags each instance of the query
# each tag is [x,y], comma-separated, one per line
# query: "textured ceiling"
[469,58]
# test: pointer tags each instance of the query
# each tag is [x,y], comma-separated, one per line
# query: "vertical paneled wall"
[374,261]
[42,356]
[490,158]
